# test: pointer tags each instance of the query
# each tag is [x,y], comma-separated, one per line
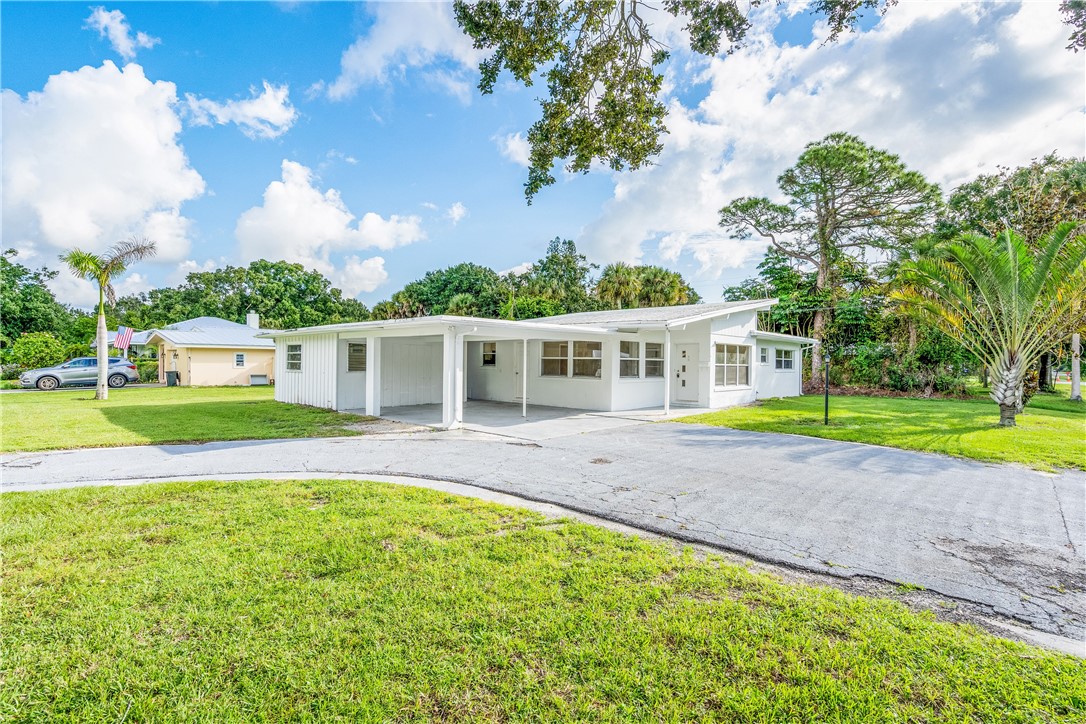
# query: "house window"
[732,365]
[490,354]
[763,355]
[784,359]
[294,357]
[587,359]
[630,359]
[356,357]
[555,359]
[239,359]
[654,359]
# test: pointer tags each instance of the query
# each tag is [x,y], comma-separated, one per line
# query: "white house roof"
[657,316]
[778,337]
[212,332]
[513,327]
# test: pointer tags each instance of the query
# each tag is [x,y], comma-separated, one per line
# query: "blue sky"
[350,137]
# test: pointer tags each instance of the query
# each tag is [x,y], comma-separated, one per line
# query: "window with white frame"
[294,358]
[732,365]
[587,359]
[239,359]
[654,359]
[784,359]
[554,361]
[356,357]
[490,354]
[763,355]
[630,363]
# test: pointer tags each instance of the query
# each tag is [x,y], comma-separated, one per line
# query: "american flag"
[124,338]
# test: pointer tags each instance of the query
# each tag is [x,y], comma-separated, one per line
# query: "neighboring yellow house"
[208,351]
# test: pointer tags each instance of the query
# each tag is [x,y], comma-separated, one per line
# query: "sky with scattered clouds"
[351,137]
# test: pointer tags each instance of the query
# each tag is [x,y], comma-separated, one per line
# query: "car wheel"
[48,383]
[118,381]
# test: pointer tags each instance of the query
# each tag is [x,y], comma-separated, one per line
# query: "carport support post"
[667,370]
[458,381]
[524,382]
[373,376]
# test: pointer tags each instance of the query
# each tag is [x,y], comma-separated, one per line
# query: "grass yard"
[1050,434]
[355,601]
[154,415]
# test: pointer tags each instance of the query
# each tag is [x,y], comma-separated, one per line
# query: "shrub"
[11,372]
[148,370]
[37,349]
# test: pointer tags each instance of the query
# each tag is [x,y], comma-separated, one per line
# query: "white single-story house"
[704,355]
[209,351]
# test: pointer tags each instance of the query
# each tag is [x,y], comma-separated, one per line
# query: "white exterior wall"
[350,386]
[498,383]
[581,393]
[411,371]
[315,383]
[771,382]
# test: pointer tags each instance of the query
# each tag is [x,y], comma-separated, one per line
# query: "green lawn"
[355,601]
[1050,434]
[155,415]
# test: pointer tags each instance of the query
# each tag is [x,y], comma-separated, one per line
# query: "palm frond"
[83,264]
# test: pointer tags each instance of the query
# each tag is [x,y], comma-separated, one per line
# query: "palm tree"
[662,288]
[1003,302]
[462,305]
[619,285]
[102,269]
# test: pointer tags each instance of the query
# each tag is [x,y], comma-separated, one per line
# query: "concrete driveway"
[1004,537]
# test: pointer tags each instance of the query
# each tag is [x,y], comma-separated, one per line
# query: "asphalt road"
[1001,536]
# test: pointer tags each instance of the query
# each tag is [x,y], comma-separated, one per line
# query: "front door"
[686,372]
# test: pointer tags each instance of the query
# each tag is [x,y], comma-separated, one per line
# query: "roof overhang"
[513,329]
[778,337]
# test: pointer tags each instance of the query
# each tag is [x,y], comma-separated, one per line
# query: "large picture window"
[732,365]
[654,359]
[587,359]
[784,359]
[630,362]
[356,357]
[294,357]
[555,359]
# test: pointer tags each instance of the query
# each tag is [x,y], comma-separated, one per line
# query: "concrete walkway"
[1005,537]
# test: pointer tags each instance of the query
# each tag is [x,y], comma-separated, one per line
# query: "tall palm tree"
[619,285]
[101,269]
[1003,302]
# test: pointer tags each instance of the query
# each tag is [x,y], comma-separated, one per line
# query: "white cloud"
[405,36]
[134,283]
[360,276]
[519,270]
[300,223]
[112,24]
[514,146]
[429,205]
[269,114]
[954,89]
[456,212]
[92,159]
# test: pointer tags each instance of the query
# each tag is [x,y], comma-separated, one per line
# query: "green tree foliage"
[463,305]
[847,202]
[530,307]
[102,269]
[603,68]
[285,295]
[1074,14]
[619,286]
[437,289]
[1004,302]
[1030,199]
[26,303]
[36,349]
[563,275]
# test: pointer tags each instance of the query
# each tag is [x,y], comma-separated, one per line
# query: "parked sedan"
[80,371]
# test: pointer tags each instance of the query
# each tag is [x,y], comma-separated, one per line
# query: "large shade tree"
[1002,301]
[102,269]
[602,62]
[844,198]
